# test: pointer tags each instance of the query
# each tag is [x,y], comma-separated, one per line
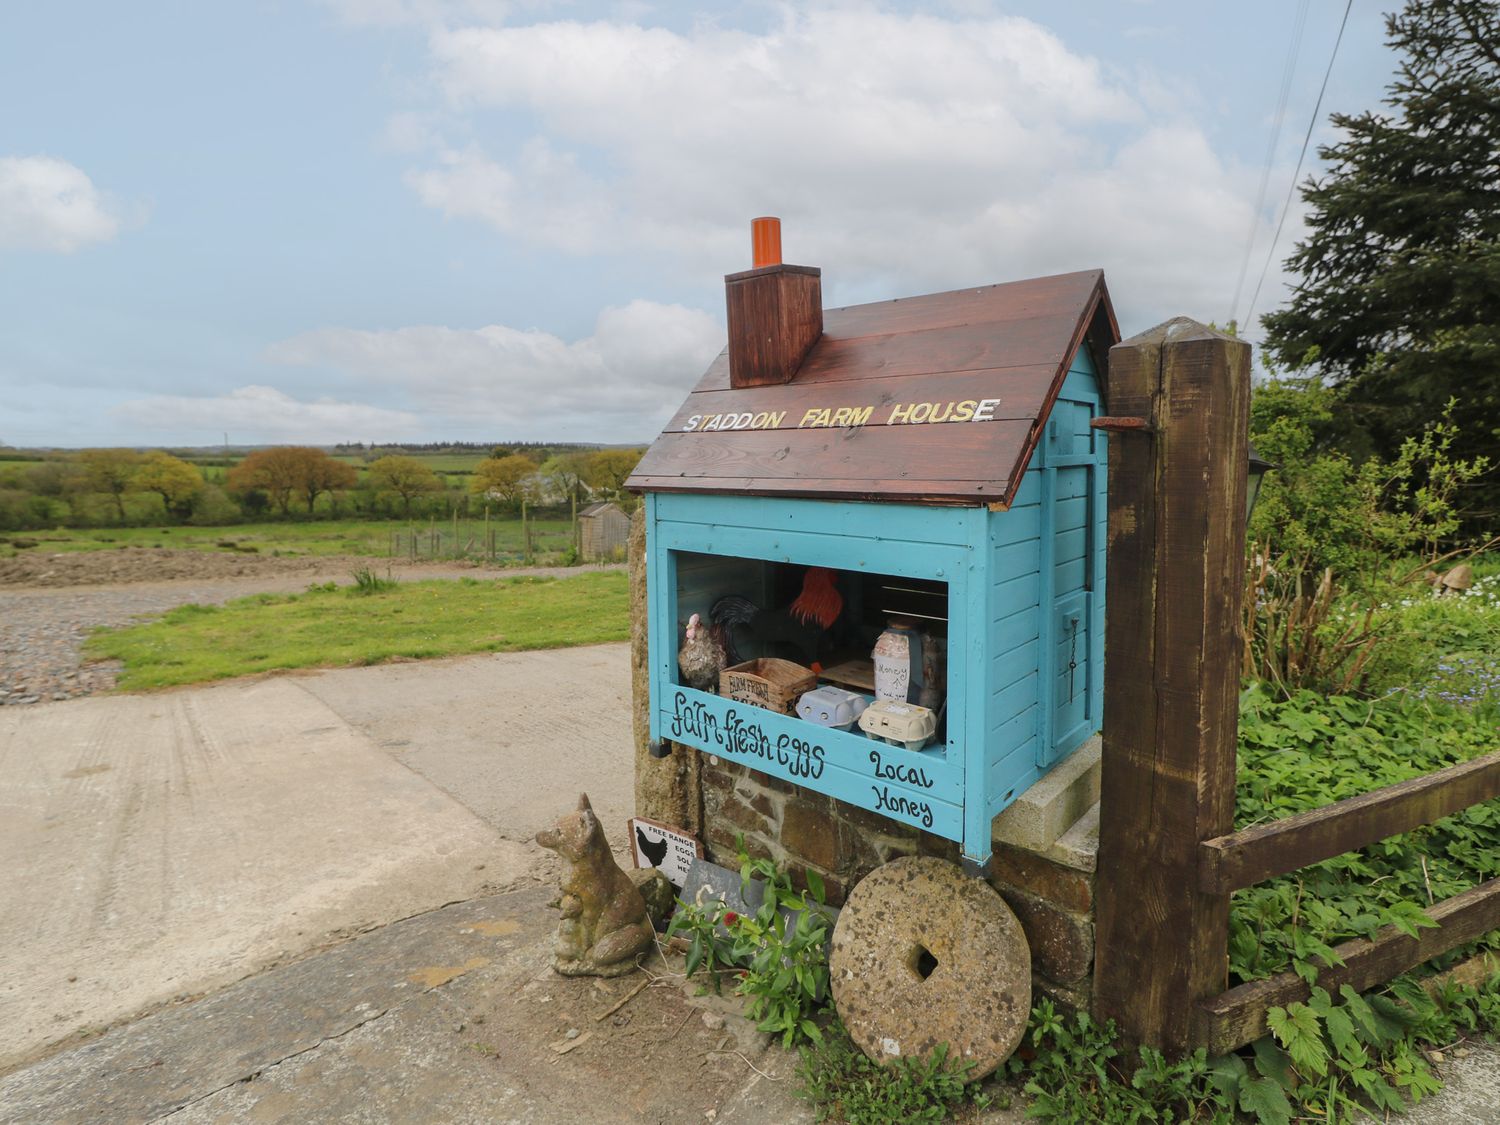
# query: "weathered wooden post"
[1171,680]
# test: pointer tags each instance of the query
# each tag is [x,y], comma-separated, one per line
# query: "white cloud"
[263,414]
[49,204]
[616,384]
[904,152]
[547,196]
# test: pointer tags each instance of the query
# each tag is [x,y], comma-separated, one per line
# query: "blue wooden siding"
[1025,600]
[1014,614]
[1047,571]
[1073,456]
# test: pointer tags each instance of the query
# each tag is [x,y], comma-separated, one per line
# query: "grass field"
[313,537]
[341,627]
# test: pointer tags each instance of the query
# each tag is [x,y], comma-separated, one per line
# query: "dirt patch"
[160,564]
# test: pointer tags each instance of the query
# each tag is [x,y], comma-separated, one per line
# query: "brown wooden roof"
[1012,342]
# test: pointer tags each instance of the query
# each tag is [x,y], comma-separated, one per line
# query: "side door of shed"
[1074,465]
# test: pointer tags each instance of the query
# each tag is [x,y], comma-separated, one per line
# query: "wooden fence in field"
[1169,857]
[486,540]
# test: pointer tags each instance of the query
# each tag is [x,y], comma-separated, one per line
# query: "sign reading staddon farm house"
[814,417]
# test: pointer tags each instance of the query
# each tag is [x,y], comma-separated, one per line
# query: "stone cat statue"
[604,924]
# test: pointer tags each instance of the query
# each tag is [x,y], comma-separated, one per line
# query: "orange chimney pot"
[765,241]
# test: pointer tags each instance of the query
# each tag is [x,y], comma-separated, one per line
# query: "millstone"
[923,954]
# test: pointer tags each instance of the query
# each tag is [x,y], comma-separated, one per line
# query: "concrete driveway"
[159,846]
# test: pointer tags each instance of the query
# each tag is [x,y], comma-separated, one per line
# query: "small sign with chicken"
[670,850]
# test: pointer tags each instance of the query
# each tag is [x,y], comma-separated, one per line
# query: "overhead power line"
[1286,205]
[1287,70]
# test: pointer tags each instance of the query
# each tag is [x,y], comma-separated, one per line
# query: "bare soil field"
[160,564]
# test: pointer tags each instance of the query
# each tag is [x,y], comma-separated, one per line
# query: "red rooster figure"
[820,600]
[791,631]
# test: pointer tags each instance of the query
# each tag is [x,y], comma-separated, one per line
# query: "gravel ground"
[157,564]
[42,629]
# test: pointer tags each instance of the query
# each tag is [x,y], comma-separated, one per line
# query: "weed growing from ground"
[367,582]
[779,954]
[1072,1070]
[843,1083]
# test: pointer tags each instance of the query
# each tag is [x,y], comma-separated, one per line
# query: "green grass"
[311,537]
[342,627]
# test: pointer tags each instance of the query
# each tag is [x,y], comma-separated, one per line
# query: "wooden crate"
[768,682]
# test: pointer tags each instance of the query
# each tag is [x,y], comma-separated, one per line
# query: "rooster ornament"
[701,657]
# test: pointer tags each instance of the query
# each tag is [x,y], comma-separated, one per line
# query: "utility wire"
[1286,206]
[1287,70]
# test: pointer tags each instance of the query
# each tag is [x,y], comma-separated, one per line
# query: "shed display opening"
[858,653]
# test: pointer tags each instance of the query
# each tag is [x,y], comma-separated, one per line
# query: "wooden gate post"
[1171,679]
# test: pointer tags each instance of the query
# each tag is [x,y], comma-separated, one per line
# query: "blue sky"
[464,219]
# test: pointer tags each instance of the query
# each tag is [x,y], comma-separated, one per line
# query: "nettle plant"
[778,954]
[1340,1053]
[1335,1054]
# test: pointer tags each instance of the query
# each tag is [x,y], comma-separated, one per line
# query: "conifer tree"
[1399,298]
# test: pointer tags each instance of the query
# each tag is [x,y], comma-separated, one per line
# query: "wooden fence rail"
[1241,859]
[1238,1016]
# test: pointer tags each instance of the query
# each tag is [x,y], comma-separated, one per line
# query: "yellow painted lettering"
[841,416]
[809,419]
[900,413]
[964,410]
[985,411]
[920,412]
[858,416]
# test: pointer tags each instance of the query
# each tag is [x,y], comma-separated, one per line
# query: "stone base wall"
[1055,904]
[667,789]
[801,830]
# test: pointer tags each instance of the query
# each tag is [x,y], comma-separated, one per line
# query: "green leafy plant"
[1340,1057]
[1322,508]
[1334,1056]
[1074,1073]
[843,1083]
[1309,750]
[779,954]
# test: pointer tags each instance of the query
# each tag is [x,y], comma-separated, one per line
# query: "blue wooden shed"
[935,454]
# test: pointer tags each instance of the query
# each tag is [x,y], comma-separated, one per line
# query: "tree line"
[100,487]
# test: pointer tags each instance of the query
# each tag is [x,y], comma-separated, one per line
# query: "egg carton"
[909,725]
[834,707]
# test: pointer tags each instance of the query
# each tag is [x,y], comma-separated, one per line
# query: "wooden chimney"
[775,313]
